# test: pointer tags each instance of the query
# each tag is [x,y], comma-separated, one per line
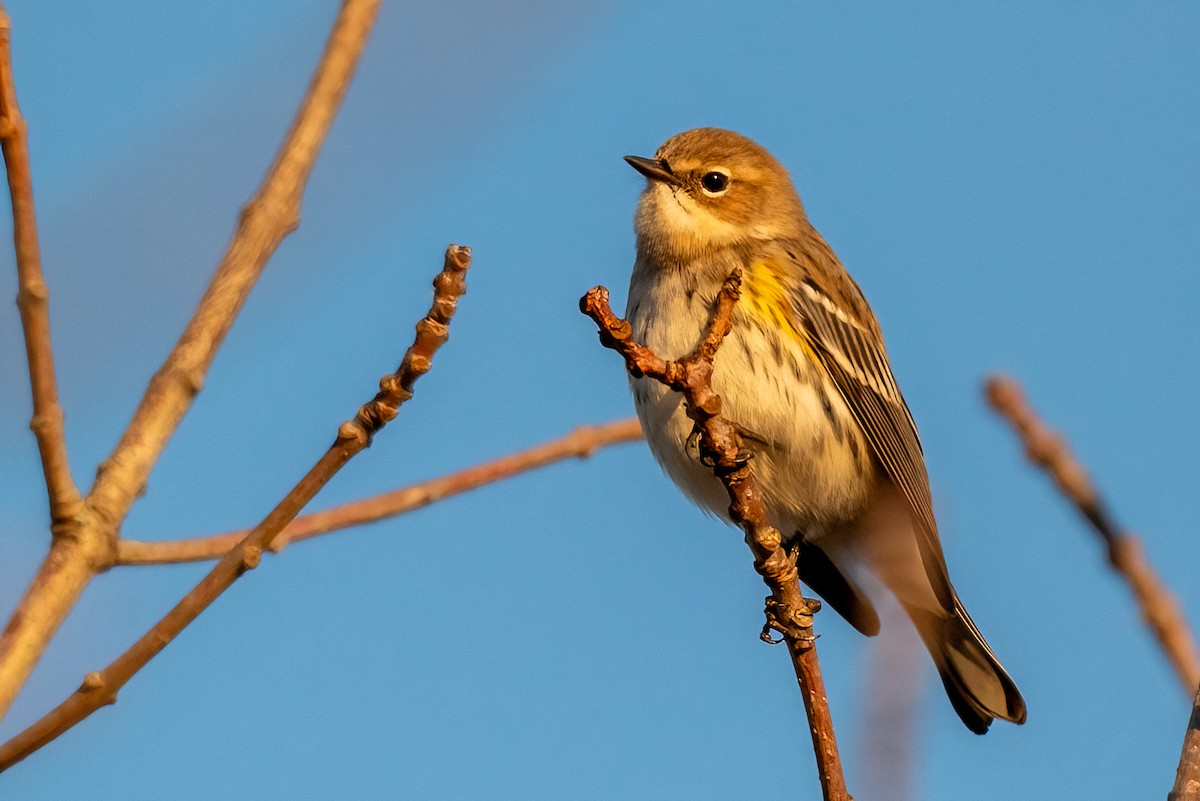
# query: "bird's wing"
[842,330]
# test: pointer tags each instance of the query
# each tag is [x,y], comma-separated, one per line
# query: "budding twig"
[580,443]
[272,214]
[788,611]
[101,687]
[87,531]
[1049,450]
[66,504]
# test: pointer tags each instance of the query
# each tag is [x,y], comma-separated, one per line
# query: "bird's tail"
[979,688]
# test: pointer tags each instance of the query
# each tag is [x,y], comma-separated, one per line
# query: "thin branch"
[76,550]
[87,542]
[1187,776]
[788,611]
[1049,450]
[271,215]
[580,443]
[100,688]
[66,504]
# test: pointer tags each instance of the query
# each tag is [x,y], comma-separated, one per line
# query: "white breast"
[810,456]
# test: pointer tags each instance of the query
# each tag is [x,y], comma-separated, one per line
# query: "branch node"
[251,558]
[94,683]
[35,291]
[45,422]
[720,447]
[192,381]
[417,364]
[352,431]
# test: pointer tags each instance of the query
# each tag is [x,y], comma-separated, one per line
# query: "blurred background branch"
[88,545]
[894,689]
[1049,450]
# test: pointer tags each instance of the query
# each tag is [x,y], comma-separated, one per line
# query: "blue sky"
[1014,186]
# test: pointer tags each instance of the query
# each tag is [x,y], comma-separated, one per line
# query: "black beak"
[654,169]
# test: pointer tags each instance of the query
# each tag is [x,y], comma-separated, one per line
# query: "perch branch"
[100,688]
[66,504]
[271,215]
[580,443]
[788,611]
[1049,450]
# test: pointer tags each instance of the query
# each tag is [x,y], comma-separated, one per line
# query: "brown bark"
[89,529]
[1187,776]
[579,444]
[101,687]
[66,504]
[271,215]
[1049,450]
[788,611]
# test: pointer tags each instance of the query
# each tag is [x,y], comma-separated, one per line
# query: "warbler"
[805,378]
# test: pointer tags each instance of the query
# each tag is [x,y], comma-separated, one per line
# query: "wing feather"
[847,340]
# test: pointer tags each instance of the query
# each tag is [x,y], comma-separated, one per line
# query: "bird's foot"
[693,449]
[792,622]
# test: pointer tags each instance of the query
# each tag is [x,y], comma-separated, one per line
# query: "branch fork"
[101,687]
[718,442]
[720,448]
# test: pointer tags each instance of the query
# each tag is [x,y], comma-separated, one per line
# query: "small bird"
[805,378]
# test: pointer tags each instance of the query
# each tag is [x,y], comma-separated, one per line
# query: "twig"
[580,443]
[788,611]
[66,504]
[1187,776]
[76,549]
[100,688]
[1047,449]
[271,215]
[79,554]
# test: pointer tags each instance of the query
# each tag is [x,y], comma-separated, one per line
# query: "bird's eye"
[714,182]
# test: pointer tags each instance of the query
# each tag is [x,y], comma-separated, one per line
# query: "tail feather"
[979,688]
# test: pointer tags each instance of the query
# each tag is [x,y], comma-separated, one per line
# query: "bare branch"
[580,443]
[66,504]
[76,551]
[272,214]
[86,532]
[100,688]
[788,611]
[1049,450]
[1187,776]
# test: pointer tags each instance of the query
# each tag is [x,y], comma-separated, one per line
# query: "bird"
[805,378]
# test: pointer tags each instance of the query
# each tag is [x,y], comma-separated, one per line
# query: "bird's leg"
[789,621]
[693,448]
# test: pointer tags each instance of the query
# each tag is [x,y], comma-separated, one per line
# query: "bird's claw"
[793,623]
[692,446]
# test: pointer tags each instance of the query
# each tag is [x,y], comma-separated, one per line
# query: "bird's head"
[709,188]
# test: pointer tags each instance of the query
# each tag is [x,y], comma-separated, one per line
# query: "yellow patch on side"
[765,293]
